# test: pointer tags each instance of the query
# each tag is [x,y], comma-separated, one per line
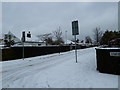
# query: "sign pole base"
[75,49]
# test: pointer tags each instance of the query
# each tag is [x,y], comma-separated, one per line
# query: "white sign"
[117,54]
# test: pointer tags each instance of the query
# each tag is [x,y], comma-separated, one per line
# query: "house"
[30,41]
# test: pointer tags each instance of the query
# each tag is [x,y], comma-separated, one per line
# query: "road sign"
[75,31]
[75,28]
[23,36]
[116,54]
[23,40]
[29,34]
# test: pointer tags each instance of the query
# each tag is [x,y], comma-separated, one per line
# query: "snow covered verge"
[108,48]
[57,71]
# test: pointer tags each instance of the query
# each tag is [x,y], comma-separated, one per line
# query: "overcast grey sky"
[45,17]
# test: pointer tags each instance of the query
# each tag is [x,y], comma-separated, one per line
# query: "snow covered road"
[57,71]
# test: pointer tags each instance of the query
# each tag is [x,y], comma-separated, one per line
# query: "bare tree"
[88,39]
[45,37]
[97,34]
[58,36]
[58,33]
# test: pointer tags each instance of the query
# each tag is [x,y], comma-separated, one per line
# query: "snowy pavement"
[57,71]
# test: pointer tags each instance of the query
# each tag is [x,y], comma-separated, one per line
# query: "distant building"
[30,41]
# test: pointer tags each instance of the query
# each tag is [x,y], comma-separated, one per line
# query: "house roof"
[69,42]
[33,39]
[16,39]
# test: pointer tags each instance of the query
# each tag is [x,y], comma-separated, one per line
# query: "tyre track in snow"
[33,67]
[22,71]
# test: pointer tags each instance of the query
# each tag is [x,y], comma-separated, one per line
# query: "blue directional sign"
[75,28]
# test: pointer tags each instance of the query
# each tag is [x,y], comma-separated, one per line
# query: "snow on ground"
[57,71]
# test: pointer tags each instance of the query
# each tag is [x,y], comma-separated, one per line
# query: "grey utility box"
[108,60]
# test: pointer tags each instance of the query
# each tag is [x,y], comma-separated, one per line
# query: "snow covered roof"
[69,42]
[33,39]
[16,39]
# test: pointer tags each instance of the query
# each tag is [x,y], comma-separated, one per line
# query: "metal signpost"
[23,40]
[75,31]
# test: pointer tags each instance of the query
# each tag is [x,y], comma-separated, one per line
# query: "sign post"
[75,31]
[23,40]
